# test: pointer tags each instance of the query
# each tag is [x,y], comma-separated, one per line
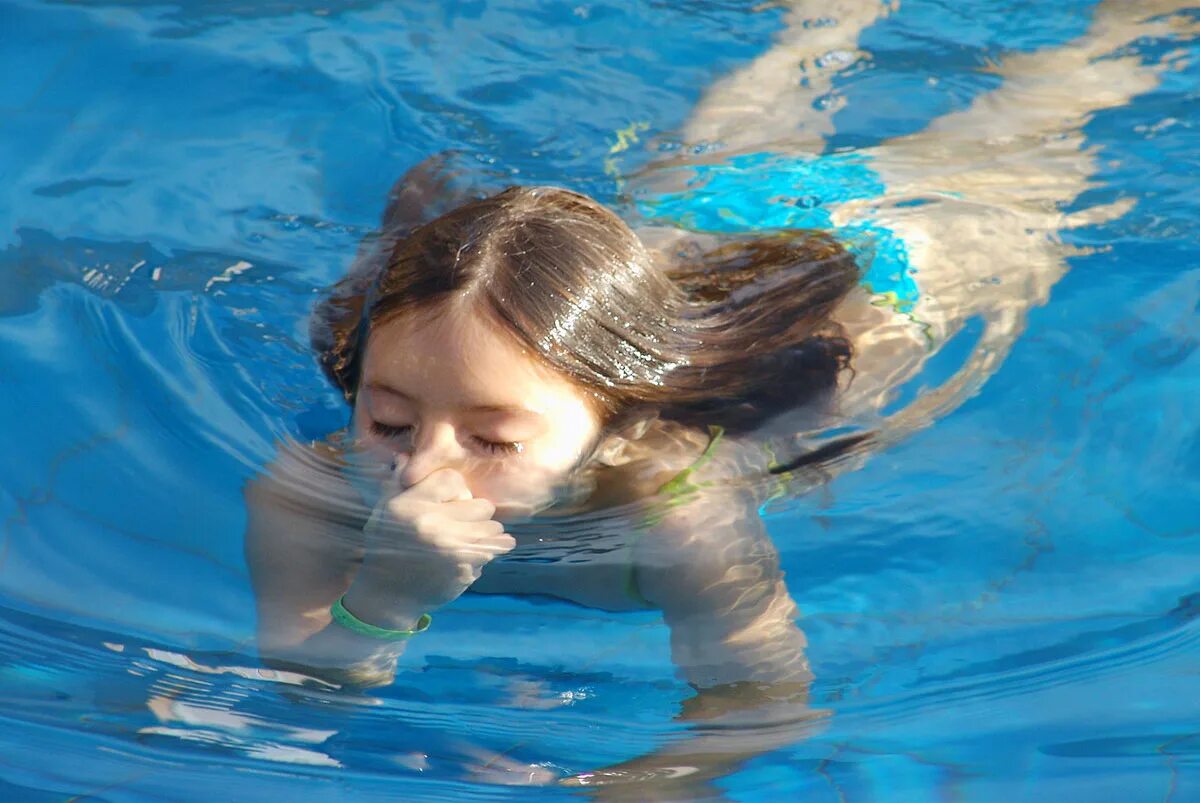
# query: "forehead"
[451,356]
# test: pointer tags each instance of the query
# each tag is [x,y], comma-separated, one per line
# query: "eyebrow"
[481,408]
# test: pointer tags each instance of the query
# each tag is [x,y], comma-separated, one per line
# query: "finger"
[471,545]
[485,530]
[443,485]
[469,510]
[488,549]
[498,544]
[452,536]
[481,553]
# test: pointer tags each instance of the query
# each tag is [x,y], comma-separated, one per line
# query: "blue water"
[1002,606]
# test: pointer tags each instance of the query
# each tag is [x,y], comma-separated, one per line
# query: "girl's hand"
[425,545]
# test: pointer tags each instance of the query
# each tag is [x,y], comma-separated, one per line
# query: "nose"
[433,447]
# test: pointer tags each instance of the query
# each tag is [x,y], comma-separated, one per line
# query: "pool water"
[1005,605]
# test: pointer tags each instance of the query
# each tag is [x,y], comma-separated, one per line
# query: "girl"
[519,364]
[522,355]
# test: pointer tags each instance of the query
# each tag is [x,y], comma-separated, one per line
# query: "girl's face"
[443,389]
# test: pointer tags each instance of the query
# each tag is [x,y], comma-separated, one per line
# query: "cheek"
[573,433]
[514,480]
[569,449]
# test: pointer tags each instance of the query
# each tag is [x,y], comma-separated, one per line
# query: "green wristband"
[355,625]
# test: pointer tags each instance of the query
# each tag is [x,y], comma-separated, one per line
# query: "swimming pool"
[1001,606]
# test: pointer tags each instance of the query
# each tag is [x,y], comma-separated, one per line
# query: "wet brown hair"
[735,335]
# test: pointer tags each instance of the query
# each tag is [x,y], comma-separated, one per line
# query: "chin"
[507,513]
[514,511]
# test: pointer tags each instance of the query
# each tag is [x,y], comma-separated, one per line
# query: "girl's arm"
[310,540]
[304,538]
[713,570]
[303,545]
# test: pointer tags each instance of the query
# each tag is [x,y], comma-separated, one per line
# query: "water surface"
[1001,606]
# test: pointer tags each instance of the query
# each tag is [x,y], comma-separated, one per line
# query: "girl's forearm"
[349,658]
[377,597]
[338,656]
[758,641]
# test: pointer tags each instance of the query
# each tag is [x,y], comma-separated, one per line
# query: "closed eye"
[390,430]
[498,447]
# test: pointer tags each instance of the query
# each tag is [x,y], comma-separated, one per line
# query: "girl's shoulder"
[669,459]
[310,478]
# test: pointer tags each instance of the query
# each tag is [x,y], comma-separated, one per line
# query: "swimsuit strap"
[681,483]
